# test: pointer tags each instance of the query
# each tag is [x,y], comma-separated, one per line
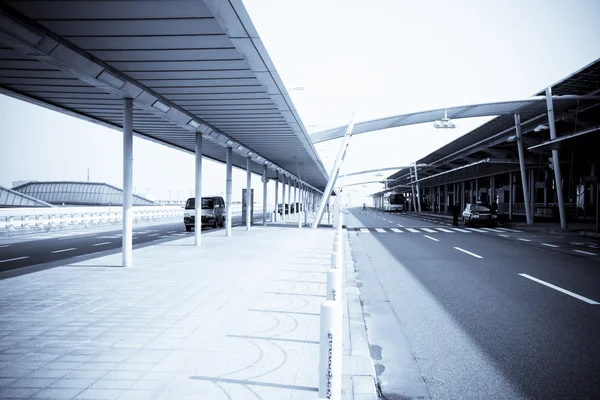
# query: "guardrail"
[64,217]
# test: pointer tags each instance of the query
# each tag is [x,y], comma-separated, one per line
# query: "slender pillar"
[532,193]
[228,191]
[127,182]
[276,214]
[528,213]
[282,197]
[198,192]
[556,162]
[265,182]
[295,196]
[417,183]
[412,187]
[510,196]
[248,194]
[476,190]
[462,196]
[289,196]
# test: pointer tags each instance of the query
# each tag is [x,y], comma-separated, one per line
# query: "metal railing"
[65,217]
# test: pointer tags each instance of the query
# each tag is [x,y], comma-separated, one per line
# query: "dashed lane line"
[429,237]
[13,259]
[504,236]
[565,291]
[101,244]
[63,250]
[468,252]
[524,240]
[585,252]
[4,245]
[155,234]
[549,245]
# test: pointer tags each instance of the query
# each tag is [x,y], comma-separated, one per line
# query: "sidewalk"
[237,318]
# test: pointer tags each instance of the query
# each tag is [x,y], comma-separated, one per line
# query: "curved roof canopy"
[188,65]
[525,107]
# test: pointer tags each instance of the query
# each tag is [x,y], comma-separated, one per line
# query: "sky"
[376,59]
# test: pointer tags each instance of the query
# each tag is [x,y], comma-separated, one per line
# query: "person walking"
[455,213]
[364,207]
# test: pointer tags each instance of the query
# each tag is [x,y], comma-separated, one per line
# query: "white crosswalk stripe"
[509,230]
[412,230]
[445,230]
[489,230]
[472,229]
[429,230]
[363,230]
[396,230]
[380,230]
[460,230]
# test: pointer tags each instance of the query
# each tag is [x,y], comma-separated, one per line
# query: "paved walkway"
[237,318]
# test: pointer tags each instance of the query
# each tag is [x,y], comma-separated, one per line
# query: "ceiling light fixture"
[159,105]
[111,79]
[194,124]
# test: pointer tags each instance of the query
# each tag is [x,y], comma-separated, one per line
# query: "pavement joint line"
[429,237]
[468,252]
[549,245]
[63,250]
[14,259]
[101,244]
[585,252]
[565,291]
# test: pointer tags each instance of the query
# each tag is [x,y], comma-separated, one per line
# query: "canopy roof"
[188,65]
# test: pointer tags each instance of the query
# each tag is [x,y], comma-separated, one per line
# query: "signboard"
[244,206]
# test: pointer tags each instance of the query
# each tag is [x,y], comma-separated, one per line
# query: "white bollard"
[330,351]
[336,260]
[334,284]
[337,245]
[300,219]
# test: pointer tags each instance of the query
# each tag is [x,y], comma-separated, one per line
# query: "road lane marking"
[524,240]
[468,252]
[585,252]
[363,230]
[4,245]
[172,232]
[549,245]
[444,230]
[488,230]
[162,237]
[101,244]
[509,230]
[396,230]
[503,235]
[429,237]
[155,234]
[565,291]
[472,229]
[380,230]
[63,250]
[401,226]
[412,230]
[13,259]
[429,230]
[460,230]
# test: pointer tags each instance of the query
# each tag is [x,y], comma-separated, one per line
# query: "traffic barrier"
[334,284]
[330,351]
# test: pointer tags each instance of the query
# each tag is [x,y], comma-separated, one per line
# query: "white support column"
[412,187]
[418,192]
[446,199]
[556,162]
[510,196]
[462,196]
[289,196]
[296,197]
[528,213]
[248,194]
[265,181]
[228,191]
[532,193]
[282,197]
[276,214]
[127,182]
[198,191]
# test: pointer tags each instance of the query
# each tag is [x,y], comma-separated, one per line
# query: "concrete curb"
[358,376]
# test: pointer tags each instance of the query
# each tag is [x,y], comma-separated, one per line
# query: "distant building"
[78,194]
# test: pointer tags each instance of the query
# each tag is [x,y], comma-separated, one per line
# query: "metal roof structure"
[188,66]
[526,107]
[490,149]
[11,198]
[78,193]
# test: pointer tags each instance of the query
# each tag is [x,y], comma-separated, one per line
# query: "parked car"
[479,214]
[212,212]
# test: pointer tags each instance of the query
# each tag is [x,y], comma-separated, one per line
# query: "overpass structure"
[538,160]
[192,75]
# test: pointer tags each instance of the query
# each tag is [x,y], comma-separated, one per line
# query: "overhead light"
[111,79]
[250,154]
[229,142]
[194,124]
[540,128]
[159,105]
[511,138]
[444,123]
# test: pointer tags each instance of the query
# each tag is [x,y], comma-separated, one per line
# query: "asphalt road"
[23,251]
[478,313]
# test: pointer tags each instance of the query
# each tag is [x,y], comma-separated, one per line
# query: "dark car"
[212,212]
[479,214]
